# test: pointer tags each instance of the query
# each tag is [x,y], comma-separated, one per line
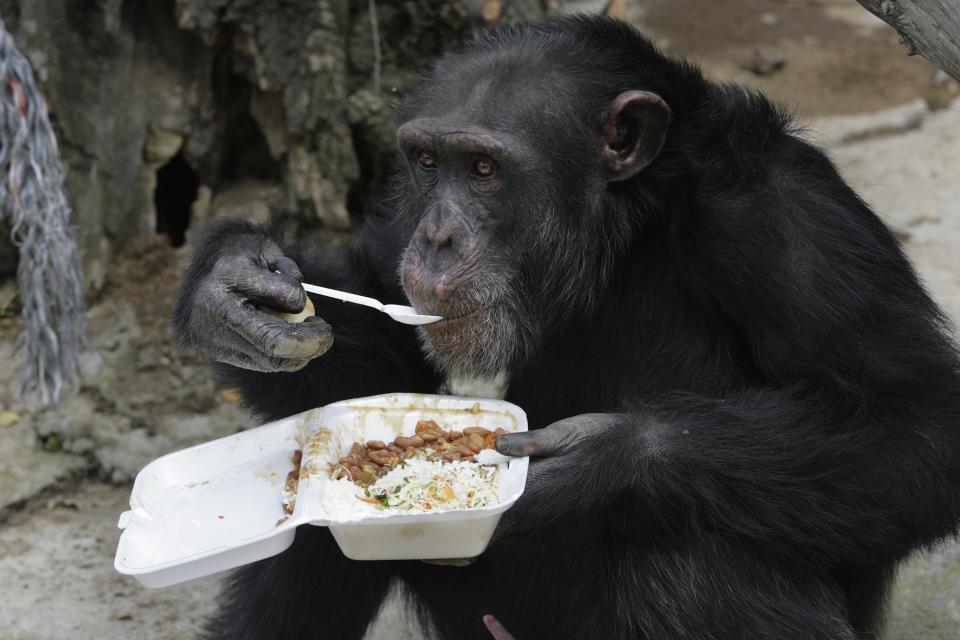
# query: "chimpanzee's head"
[518,152]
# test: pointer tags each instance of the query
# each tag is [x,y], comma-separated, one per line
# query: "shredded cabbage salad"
[425,485]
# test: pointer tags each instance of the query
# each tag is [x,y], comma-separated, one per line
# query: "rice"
[416,486]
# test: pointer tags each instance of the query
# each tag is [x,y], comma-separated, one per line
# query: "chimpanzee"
[745,405]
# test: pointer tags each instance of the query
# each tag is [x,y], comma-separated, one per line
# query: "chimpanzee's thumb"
[518,444]
[559,438]
[551,441]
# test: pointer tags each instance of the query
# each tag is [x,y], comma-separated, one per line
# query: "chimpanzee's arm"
[803,472]
[851,450]
[369,354]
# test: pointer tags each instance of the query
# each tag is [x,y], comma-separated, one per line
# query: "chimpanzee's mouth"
[452,317]
[455,316]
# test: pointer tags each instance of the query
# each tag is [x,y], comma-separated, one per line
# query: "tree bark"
[273,111]
[928,27]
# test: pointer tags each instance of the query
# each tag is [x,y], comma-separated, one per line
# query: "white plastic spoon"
[400,313]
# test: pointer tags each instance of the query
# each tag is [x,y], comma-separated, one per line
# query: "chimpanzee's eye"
[425,159]
[483,168]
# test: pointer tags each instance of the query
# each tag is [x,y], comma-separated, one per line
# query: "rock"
[764,62]
[114,334]
[137,405]
[200,210]
[838,130]
[313,186]
[267,109]
[160,146]
[122,456]
[27,470]
[8,419]
[251,200]
[491,10]
[77,425]
[188,429]
[108,440]
[616,9]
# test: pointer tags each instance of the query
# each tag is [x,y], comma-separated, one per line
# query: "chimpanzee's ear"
[633,133]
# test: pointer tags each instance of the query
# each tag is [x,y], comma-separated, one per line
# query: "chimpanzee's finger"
[557,439]
[223,344]
[261,285]
[550,441]
[496,629]
[277,338]
[255,362]
[286,266]
[274,290]
[527,443]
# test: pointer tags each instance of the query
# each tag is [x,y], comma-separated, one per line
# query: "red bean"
[380,457]
[476,442]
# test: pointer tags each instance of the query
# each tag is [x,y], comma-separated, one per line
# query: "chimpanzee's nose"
[440,237]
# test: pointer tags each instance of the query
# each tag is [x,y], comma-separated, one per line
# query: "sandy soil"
[838,58]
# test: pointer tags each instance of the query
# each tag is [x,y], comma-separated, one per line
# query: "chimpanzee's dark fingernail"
[286,267]
[279,267]
[517,444]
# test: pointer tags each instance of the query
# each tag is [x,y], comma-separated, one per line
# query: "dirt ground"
[837,58]
[887,119]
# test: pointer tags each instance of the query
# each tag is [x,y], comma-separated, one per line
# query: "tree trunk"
[928,27]
[171,111]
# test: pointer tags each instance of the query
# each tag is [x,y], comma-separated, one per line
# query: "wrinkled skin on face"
[510,239]
[459,263]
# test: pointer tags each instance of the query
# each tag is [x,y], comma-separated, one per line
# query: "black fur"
[794,425]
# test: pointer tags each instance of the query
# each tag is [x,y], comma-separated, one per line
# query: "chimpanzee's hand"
[225,321]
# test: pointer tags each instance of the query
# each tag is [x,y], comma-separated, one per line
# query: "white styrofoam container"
[217,505]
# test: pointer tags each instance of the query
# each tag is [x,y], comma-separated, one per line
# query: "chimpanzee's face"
[507,175]
[464,259]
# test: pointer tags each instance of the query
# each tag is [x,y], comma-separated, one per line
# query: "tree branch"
[928,27]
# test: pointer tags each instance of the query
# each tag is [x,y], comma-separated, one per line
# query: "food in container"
[220,504]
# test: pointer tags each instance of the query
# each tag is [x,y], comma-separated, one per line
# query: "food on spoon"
[293,318]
